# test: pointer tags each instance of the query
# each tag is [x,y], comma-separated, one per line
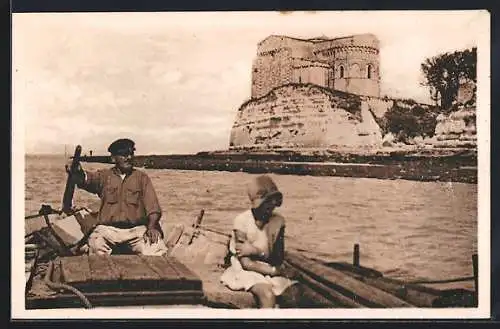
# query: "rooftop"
[322,38]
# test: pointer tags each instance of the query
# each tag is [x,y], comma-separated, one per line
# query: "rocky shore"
[448,165]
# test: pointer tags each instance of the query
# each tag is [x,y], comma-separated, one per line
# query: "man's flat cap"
[121,146]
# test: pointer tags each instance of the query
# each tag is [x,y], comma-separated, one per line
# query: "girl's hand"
[244,249]
[276,271]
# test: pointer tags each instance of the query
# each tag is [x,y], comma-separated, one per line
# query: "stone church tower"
[349,64]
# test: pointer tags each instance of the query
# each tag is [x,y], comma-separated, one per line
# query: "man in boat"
[129,214]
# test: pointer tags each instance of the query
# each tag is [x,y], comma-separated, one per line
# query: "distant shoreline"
[424,165]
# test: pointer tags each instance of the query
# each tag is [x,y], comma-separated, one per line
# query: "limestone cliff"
[305,116]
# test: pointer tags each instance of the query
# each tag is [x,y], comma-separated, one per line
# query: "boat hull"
[201,252]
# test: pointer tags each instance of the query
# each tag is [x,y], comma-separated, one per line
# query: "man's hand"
[152,235]
[68,167]
[245,249]
[77,175]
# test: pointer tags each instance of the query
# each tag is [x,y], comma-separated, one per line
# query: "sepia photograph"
[317,164]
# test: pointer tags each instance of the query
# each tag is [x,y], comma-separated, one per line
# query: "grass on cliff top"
[338,99]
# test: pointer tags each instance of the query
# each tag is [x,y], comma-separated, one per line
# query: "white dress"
[235,277]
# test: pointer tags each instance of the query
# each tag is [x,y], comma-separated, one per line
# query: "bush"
[408,123]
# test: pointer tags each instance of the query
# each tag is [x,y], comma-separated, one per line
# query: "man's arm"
[89,181]
[153,221]
[152,209]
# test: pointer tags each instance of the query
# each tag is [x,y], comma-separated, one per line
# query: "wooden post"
[196,226]
[355,256]
[476,281]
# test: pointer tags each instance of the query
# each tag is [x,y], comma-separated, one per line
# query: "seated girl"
[257,246]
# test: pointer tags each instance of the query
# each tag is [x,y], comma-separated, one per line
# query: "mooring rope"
[58,286]
[215,231]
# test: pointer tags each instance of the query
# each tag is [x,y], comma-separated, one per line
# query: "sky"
[173,81]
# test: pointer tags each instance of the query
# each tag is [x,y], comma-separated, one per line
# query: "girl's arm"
[272,265]
[248,255]
[264,268]
[244,248]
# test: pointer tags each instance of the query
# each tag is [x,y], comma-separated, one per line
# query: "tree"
[444,73]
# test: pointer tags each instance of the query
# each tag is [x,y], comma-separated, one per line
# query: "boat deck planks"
[133,268]
[161,267]
[102,269]
[326,292]
[75,270]
[126,272]
[183,272]
[360,292]
[118,280]
[417,296]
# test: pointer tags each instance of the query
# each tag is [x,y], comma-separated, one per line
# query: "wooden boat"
[59,274]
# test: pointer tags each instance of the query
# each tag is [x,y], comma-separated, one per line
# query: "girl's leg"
[292,296]
[264,294]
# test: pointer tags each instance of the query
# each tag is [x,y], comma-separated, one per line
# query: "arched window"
[369,71]
[341,70]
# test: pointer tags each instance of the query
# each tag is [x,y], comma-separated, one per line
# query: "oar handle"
[67,203]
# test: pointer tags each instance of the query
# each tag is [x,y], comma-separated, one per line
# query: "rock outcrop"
[305,116]
[457,129]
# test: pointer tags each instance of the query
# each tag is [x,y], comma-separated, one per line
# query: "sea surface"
[406,229]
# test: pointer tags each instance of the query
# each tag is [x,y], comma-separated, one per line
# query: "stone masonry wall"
[356,56]
[271,70]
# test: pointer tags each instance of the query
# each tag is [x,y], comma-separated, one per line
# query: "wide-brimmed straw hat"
[262,188]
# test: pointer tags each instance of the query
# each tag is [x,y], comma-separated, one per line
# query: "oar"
[67,203]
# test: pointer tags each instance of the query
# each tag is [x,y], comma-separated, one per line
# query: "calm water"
[405,229]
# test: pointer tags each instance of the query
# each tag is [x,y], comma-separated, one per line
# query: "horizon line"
[107,154]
